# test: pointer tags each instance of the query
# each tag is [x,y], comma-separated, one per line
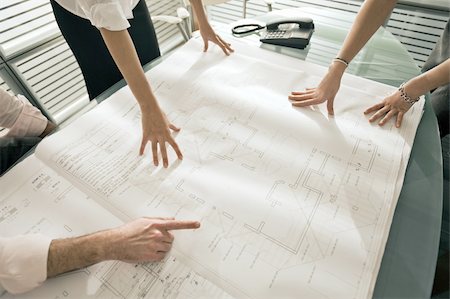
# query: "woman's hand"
[389,107]
[156,129]
[209,35]
[325,92]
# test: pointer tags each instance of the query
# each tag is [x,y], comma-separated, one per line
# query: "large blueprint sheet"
[35,199]
[293,203]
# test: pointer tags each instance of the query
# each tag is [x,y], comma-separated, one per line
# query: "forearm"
[73,253]
[372,15]
[199,12]
[437,76]
[122,50]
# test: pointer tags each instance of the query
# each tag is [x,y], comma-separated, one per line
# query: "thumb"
[143,144]
[330,106]
[174,128]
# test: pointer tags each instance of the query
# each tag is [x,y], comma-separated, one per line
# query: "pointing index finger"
[179,224]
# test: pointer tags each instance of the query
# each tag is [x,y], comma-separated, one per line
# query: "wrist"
[150,105]
[413,88]
[107,245]
[336,68]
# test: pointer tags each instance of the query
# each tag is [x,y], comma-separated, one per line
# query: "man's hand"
[48,129]
[142,240]
[156,129]
[147,239]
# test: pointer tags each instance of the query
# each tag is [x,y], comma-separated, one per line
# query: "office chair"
[179,21]
[186,24]
[269,4]
[98,67]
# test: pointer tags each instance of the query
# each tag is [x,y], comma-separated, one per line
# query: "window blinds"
[32,46]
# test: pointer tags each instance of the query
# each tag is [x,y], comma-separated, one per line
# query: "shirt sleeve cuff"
[111,16]
[23,262]
[30,122]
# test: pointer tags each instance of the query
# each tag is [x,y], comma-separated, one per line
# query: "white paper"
[293,203]
[35,199]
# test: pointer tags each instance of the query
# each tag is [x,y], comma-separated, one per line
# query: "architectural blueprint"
[35,199]
[293,203]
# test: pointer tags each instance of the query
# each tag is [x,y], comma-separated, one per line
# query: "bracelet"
[405,96]
[343,61]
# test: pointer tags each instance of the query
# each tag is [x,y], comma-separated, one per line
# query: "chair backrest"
[99,69]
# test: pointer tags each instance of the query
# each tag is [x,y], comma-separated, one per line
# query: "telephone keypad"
[275,33]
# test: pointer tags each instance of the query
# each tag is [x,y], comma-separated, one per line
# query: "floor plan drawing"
[280,192]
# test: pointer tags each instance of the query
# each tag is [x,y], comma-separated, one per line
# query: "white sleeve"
[23,262]
[109,14]
[20,117]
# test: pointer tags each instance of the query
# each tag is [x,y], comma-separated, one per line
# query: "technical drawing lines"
[364,154]
[128,283]
[7,212]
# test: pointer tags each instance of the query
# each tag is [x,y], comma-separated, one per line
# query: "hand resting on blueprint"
[325,92]
[398,103]
[206,31]
[156,129]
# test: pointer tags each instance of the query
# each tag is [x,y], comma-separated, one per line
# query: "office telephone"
[289,32]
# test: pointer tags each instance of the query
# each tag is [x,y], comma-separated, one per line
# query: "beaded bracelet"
[405,96]
[343,61]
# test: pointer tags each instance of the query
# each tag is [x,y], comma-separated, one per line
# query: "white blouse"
[109,14]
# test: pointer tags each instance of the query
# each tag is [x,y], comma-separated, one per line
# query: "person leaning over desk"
[26,127]
[111,18]
[26,261]
[436,76]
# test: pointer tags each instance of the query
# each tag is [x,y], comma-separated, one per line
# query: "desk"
[408,265]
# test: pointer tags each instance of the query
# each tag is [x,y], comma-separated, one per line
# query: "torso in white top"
[109,14]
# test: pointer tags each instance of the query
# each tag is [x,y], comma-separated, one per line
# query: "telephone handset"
[289,32]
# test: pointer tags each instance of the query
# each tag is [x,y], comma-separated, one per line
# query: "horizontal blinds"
[418,28]
[25,23]
[5,86]
[233,10]
[31,43]
[54,76]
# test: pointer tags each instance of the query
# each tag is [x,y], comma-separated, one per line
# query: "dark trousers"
[440,97]
[98,67]
[13,148]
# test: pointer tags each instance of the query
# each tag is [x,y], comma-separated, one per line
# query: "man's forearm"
[74,253]
[372,15]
